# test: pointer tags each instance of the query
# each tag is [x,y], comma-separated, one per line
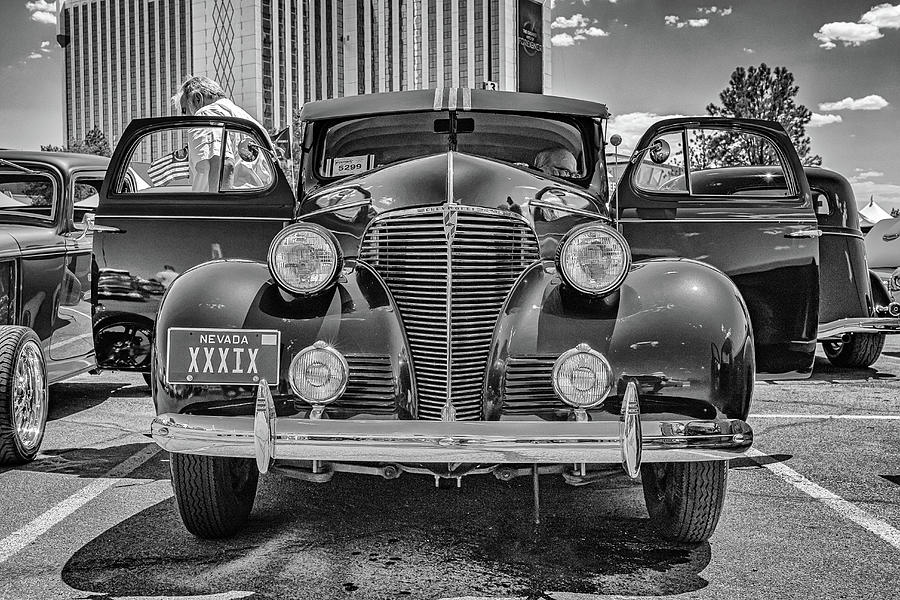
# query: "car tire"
[214,494]
[860,352]
[24,395]
[685,499]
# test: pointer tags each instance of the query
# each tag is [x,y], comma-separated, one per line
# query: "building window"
[361,46]
[432,44]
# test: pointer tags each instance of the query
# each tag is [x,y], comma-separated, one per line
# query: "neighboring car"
[856,309]
[45,308]
[883,253]
[431,303]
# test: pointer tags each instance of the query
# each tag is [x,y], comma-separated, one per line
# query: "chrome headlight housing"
[319,374]
[304,258]
[894,281]
[594,259]
[582,377]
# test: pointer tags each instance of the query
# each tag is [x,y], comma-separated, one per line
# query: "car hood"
[440,179]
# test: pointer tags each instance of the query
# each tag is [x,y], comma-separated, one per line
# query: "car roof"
[64,161]
[449,99]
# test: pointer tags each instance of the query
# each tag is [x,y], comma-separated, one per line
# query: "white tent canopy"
[871,213]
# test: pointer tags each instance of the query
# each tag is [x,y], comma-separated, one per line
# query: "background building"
[125,59]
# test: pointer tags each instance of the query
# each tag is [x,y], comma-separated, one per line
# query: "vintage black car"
[45,303]
[455,292]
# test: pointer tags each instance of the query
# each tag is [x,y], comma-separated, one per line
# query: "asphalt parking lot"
[814,513]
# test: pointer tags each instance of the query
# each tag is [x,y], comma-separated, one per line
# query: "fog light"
[582,377]
[318,374]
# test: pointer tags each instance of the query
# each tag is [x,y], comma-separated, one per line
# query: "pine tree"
[764,93]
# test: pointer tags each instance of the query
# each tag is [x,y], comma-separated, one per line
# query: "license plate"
[223,356]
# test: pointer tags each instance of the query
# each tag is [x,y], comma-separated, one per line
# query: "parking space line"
[25,535]
[814,416]
[845,509]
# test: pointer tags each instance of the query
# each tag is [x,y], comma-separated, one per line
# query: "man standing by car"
[202,97]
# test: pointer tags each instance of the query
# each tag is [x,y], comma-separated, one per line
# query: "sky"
[645,59]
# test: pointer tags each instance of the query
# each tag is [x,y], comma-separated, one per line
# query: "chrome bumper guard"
[890,325]
[630,441]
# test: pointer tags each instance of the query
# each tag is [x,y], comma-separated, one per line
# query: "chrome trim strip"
[194,217]
[788,221]
[825,232]
[438,98]
[46,252]
[859,325]
[488,442]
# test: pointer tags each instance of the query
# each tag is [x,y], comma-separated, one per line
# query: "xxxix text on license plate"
[222,356]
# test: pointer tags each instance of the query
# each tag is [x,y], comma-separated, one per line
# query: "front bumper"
[630,440]
[835,329]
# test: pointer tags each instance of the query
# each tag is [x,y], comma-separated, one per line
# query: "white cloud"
[35,55]
[869,174]
[576,20]
[823,120]
[850,34]
[45,46]
[562,39]
[42,11]
[631,126]
[714,10]
[592,32]
[883,16]
[749,50]
[870,102]
[578,37]
[674,21]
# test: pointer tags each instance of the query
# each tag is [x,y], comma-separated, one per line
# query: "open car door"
[179,191]
[732,193]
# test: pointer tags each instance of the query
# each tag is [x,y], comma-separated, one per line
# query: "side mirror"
[660,151]
[247,150]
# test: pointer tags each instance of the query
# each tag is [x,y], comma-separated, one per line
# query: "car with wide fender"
[431,302]
[45,303]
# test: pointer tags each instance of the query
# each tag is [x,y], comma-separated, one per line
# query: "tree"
[764,93]
[94,142]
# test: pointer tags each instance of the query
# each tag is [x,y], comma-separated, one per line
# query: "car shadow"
[400,538]
[823,370]
[67,399]
[89,462]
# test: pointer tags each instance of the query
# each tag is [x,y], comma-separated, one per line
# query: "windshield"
[551,145]
[23,194]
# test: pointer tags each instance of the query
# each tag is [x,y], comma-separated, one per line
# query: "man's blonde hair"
[197,84]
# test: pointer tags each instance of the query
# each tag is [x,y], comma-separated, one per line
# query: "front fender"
[680,327]
[355,316]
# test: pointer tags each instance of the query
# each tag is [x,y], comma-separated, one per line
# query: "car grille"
[449,294]
[528,387]
[371,387]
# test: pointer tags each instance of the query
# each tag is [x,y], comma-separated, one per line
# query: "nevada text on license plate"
[223,356]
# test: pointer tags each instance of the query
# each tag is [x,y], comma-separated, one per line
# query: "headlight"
[594,259]
[304,258]
[319,374]
[894,284]
[582,377]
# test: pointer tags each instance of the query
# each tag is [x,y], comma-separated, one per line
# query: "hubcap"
[29,396]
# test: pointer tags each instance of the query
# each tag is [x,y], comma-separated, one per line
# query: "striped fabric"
[169,167]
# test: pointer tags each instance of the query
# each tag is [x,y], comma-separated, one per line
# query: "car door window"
[85,194]
[31,195]
[206,159]
[734,162]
